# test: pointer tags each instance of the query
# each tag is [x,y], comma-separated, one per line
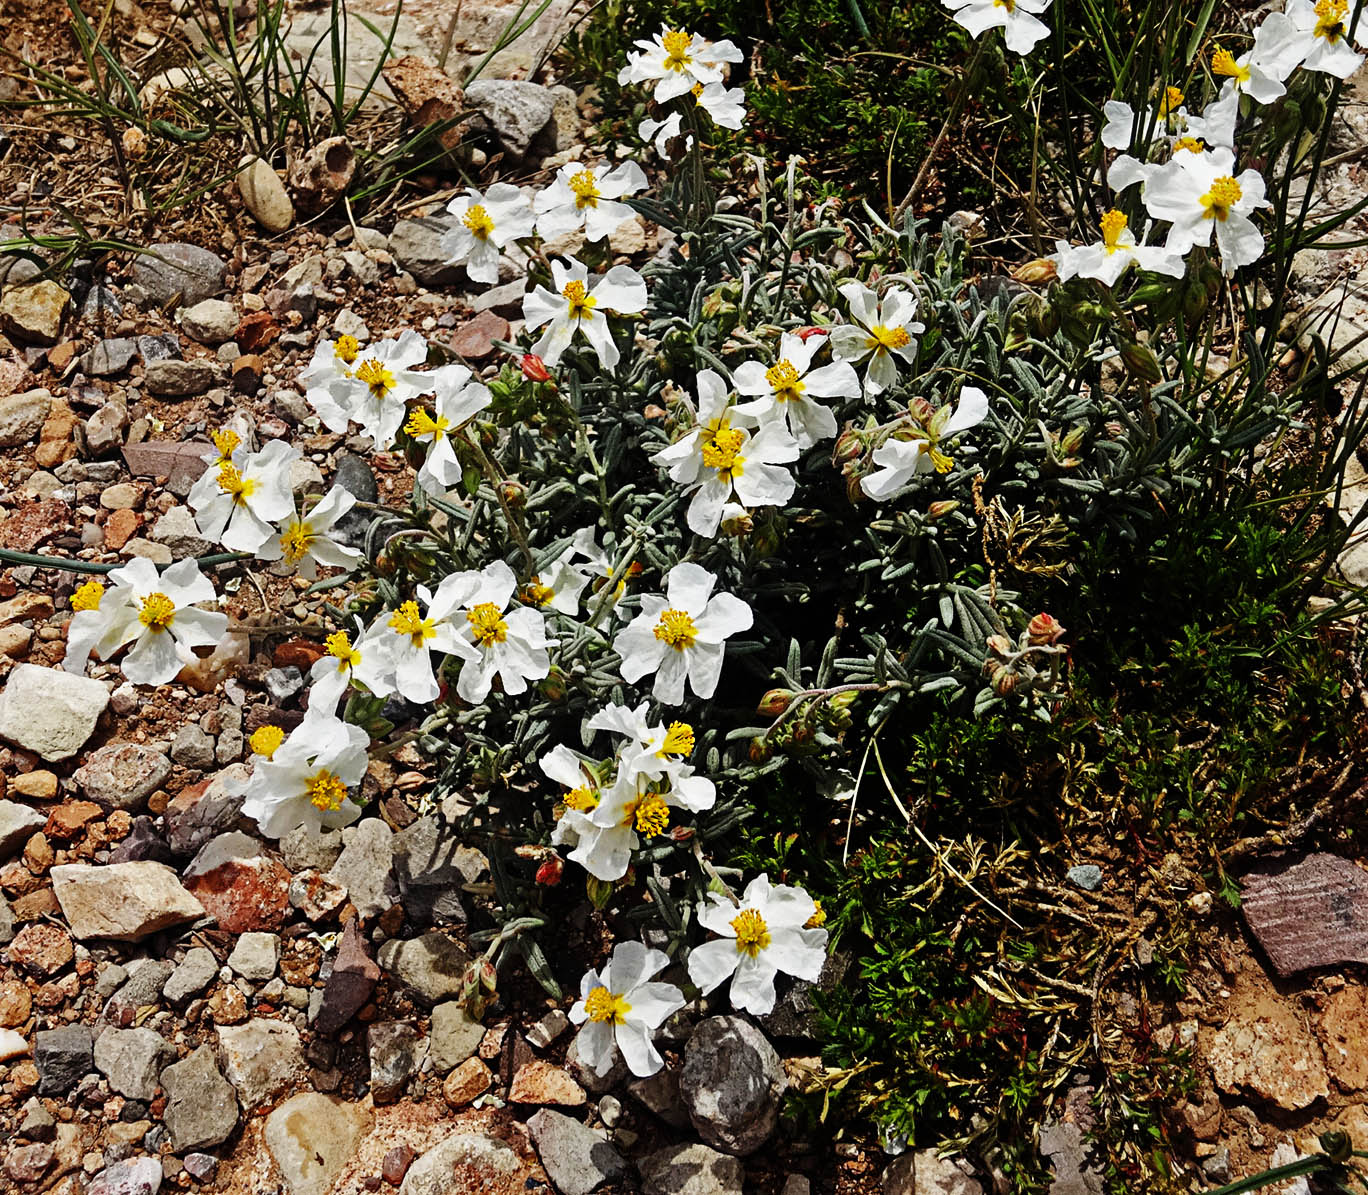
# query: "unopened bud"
[806,334]
[849,447]
[938,510]
[134,142]
[534,368]
[1037,272]
[682,833]
[854,491]
[600,892]
[999,644]
[843,701]
[550,872]
[489,977]
[921,410]
[1005,681]
[760,750]
[654,412]
[513,493]
[553,686]
[1072,441]
[1043,629]
[775,702]
[1140,361]
[736,521]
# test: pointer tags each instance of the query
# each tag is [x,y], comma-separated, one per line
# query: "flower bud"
[134,142]
[736,521]
[1140,361]
[1043,629]
[938,510]
[806,334]
[775,702]
[921,410]
[1037,272]
[999,644]
[682,833]
[853,489]
[849,447]
[489,977]
[760,750]
[514,493]
[1072,441]
[534,368]
[553,686]
[550,872]
[600,892]
[1005,681]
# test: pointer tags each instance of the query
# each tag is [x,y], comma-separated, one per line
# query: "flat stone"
[1273,1055]
[577,1159]
[42,948]
[454,1036]
[1062,1144]
[195,972]
[201,1105]
[396,1051]
[507,299]
[538,1082]
[202,812]
[34,312]
[22,416]
[175,268]
[178,530]
[255,956]
[468,1162]
[210,321]
[18,823]
[365,867]
[174,378]
[123,775]
[1312,913]
[431,966]
[311,1138]
[181,462]
[261,1059]
[28,1163]
[427,866]
[690,1170]
[50,712]
[110,356]
[239,887]
[474,339]
[305,849]
[133,1176]
[124,901]
[353,979]
[417,247]
[732,1084]
[315,895]
[132,1060]
[64,1056]
[466,1083]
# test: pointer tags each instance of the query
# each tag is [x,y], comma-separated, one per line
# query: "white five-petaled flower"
[486,223]
[557,586]
[1201,196]
[785,390]
[726,106]
[1111,257]
[620,1007]
[326,381]
[576,306]
[718,459]
[682,635]
[236,502]
[396,650]
[1262,70]
[883,331]
[306,781]
[156,612]
[777,928]
[586,197]
[457,400]
[304,542]
[900,460]
[331,675]
[509,644]
[677,62]
[1322,37]
[382,379]
[1018,19]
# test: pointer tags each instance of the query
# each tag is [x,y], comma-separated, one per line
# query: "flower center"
[783,378]
[536,594]
[602,1006]
[232,482]
[581,305]
[376,376]
[266,740]
[818,918]
[407,621]
[345,349]
[1009,5]
[585,187]
[226,441]
[1191,144]
[1170,103]
[752,934]
[677,43]
[478,221]
[1224,194]
[486,624]
[1113,224]
[582,799]
[1223,63]
[88,596]
[340,646]
[326,792]
[157,611]
[1330,19]
[881,336]
[421,425]
[722,451]
[676,629]
[294,543]
[679,740]
[650,815]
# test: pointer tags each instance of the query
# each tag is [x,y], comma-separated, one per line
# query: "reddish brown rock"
[301,653]
[467,1082]
[180,462]
[428,95]
[396,1164]
[244,894]
[33,523]
[256,331]
[474,339]
[353,979]
[55,442]
[15,1004]
[120,527]
[1313,913]
[69,818]
[539,1082]
[247,371]
[42,948]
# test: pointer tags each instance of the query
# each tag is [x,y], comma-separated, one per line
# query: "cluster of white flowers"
[1019,20]
[690,69]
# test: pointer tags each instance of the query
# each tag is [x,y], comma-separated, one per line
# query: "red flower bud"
[534,368]
[550,872]
[806,334]
[1044,629]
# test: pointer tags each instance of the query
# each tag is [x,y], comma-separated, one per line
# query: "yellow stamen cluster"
[536,594]
[585,187]
[582,799]
[883,337]
[1330,16]
[326,792]
[486,624]
[1112,224]
[1191,144]
[157,611]
[581,304]
[752,934]
[651,815]
[340,646]
[478,221]
[677,44]
[1224,194]
[679,739]
[603,1007]
[1223,63]
[676,629]
[722,452]
[88,596]
[376,376]
[1170,103]
[295,541]
[1009,5]
[408,621]
[226,442]
[783,379]
[420,424]
[345,349]
[232,483]
[818,918]
[266,740]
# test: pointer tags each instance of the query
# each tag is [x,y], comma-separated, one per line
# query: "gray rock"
[178,530]
[201,1167]
[354,476]
[690,1170]
[431,965]
[660,1093]
[143,843]
[795,1012]
[417,246]
[133,1176]
[316,896]
[201,1106]
[123,775]
[173,378]
[210,321]
[425,864]
[517,111]
[1087,876]
[132,1060]
[125,901]
[732,1083]
[6,922]
[64,1057]
[174,269]
[216,812]
[195,972]
[50,712]
[38,1123]
[22,416]
[550,1027]
[142,989]
[364,867]
[396,1052]
[484,1163]
[101,303]
[305,848]
[192,748]
[260,1058]
[18,823]
[104,430]
[255,956]
[577,1159]
[454,1036]
[505,300]
[158,347]
[312,1137]
[284,683]
[1061,1142]
[110,356]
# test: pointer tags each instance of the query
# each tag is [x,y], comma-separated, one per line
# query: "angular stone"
[18,823]
[174,378]
[466,1083]
[174,269]
[178,530]
[425,864]
[1272,1055]
[364,868]
[261,1059]
[110,356]
[474,339]
[316,896]
[34,312]
[353,979]
[146,979]
[516,110]
[41,948]
[431,966]
[660,1093]
[417,246]
[123,775]
[238,886]
[454,1036]
[577,1159]
[180,462]
[133,1176]
[1313,913]
[396,1051]
[312,1137]
[22,416]
[192,748]
[538,1082]
[50,712]
[132,1060]
[732,1083]
[925,1172]
[125,901]
[64,1056]
[255,956]
[195,972]
[28,1163]
[1062,1144]
[428,95]
[690,1170]
[202,812]
[468,1162]
[201,1106]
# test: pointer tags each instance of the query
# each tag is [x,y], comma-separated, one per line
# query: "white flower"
[331,675]
[1261,71]
[662,132]
[717,460]
[457,400]
[396,652]
[681,636]
[306,780]
[885,332]
[677,61]
[585,196]
[325,381]
[236,503]
[1200,195]
[775,929]
[488,222]
[99,623]
[382,380]
[576,307]
[726,106]
[1017,18]
[1214,129]
[623,1009]
[901,460]
[1322,39]
[655,750]
[1166,119]
[599,562]
[787,388]
[303,540]
[557,586]
[509,644]
[1117,251]
[158,614]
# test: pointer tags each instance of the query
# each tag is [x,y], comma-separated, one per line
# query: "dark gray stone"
[425,866]
[396,1051]
[417,246]
[175,268]
[143,842]
[64,1056]
[731,1084]
[110,356]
